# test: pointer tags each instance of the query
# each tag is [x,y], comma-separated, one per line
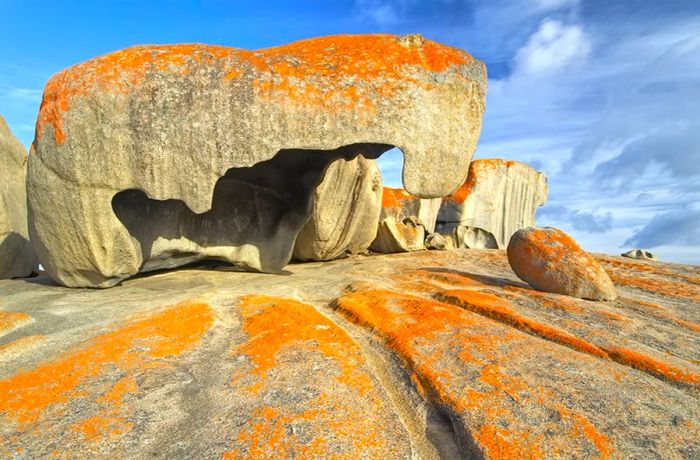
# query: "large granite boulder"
[551,261]
[345,211]
[498,197]
[157,156]
[16,255]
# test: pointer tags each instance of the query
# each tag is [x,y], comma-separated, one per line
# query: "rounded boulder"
[550,260]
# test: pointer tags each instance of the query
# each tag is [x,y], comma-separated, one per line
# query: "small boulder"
[399,204]
[551,261]
[405,236]
[642,254]
[16,255]
[439,242]
[345,211]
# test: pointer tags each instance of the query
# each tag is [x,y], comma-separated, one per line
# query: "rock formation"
[156,156]
[399,204]
[551,261]
[432,354]
[642,254]
[399,236]
[498,197]
[473,238]
[16,255]
[345,211]
[439,242]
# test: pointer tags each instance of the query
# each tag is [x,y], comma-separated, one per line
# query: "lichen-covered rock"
[345,211]
[642,254]
[399,204]
[155,156]
[399,236]
[551,261]
[499,196]
[431,354]
[16,255]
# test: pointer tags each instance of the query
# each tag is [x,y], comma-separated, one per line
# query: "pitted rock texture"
[440,354]
[640,254]
[399,204]
[499,196]
[16,255]
[550,260]
[439,242]
[399,236]
[465,236]
[345,211]
[163,129]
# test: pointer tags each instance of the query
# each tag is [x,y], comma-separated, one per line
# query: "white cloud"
[552,48]
[22,94]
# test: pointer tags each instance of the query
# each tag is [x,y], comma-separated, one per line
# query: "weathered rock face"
[465,236]
[345,211]
[399,204]
[421,355]
[499,196]
[399,236]
[16,255]
[156,156]
[439,242]
[640,254]
[551,261]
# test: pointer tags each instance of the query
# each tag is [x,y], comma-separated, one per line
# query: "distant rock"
[158,156]
[345,213]
[404,236]
[499,196]
[473,237]
[16,255]
[551,261]
[640,254]
[399,204]
[439,242]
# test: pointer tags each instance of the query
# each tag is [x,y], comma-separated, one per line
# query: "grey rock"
[16,256]
[499,196]
[642,254]
[439,242]
[157,156]
[345,211]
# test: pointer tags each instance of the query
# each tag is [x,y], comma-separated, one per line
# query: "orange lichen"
[20,345]
[477,168]
[275,325]
[427,333]
[654,366]
[658,286]
[336,72]
[45,391]
[497,308]
[11,320]
[395,197]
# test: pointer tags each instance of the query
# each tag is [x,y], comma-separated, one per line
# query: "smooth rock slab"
[345,211]
[551,261]
[157,156]
[16,255]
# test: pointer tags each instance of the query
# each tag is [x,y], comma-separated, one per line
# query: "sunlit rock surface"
[346,207]
[499,197]
[156,156]
[416,355]
[16,255]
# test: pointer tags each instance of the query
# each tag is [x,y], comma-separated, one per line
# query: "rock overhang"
[171,120]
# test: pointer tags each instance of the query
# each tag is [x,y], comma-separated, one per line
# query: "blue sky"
[603,96]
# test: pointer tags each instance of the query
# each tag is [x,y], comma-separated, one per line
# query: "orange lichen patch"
[12,320]
[645,266]
[659,286]
[395,197]
[429,335]
[273,323]
[687,324]
[43,392]
[497,308]
[336,72]
[554,301]
[276,324]
[611,316]
[654,366]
